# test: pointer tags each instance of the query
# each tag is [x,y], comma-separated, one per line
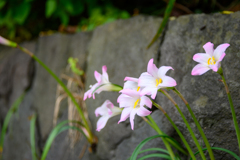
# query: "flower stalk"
[232,109]
[197,124]
[157,129]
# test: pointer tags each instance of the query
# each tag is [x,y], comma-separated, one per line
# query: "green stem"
[164,140]
[197,124]
[90,138]
[32,137]
[187,124]
[178,131]
[233,111]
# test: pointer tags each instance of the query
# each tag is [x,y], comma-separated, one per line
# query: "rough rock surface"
[121,46]
[206,95]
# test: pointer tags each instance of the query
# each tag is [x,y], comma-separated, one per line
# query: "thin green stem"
[164,140]
[32,137]
[197,124]
[178,131]
[187,124]
[232,110]
[90,138]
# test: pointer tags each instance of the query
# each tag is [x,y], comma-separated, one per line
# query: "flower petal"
[132,116]
[125,114]
[146,80]
[216,66]
[104,74]
[167,82]
[104,109]
[200,69]
[163,70]
[151,68]
[149,91]
[102,121]
[131,79]
[142,112]
[131,93]
[145,101]
[201,58]
[87,94]
[131,85]
[125,101]
[208,47]
[98,76]
[219,51]
[116,111]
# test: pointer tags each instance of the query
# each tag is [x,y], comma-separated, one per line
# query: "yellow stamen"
[138,88]
[211,61]
[136,103]
[158,82]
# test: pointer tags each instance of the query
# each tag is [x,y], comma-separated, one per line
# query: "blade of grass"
[57,130]
[138,148]
[221,149]
[32,137]
[164,21]
[154,149]
[13,109]
[159,155]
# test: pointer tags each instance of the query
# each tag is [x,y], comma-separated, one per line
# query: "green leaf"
[21,12]
[73,65]
[51,6]
[164,21]
[155,155]
[138,148]
[57,130]
[12,110]
[32,137]
[221,149]
[2,4]
[154,149]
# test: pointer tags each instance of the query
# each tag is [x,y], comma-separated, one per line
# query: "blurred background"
[27,19]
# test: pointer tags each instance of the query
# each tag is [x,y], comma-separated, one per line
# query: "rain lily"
[102,82]
[107,110]
[154,79]
[131,83]
[209,60]
[133,104]
[7,42]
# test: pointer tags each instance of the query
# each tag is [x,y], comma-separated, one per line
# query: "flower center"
[138,88]
[136,103]
[158,81]
[211,61]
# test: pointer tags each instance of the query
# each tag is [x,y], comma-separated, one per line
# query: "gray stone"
[121,46]
[206,95]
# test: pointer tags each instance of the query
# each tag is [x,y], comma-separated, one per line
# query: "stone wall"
[121,46]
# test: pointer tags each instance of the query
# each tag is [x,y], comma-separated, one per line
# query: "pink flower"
[154,79]
[209,60]
[102,80]
[107,110]
[131,83]
[7,42]
[133,104]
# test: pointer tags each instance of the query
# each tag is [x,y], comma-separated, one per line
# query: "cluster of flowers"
[136,92]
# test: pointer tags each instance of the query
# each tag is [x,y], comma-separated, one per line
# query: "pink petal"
[208,47]
[104,109]
[130,85]
[215,67]
[125,114]
[151,68]
[132,116]
[125,101]
[219,51]
[199,69]
[201,58]
[131,79]
[163,70]
[98,76]
[146,101]
[131,93]
[146,80]
[167,82]
[221,57]
[104,73]
[149,91]
[87,94]
[142,112]
[102,121]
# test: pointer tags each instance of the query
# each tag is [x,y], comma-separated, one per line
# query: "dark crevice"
[161,39]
